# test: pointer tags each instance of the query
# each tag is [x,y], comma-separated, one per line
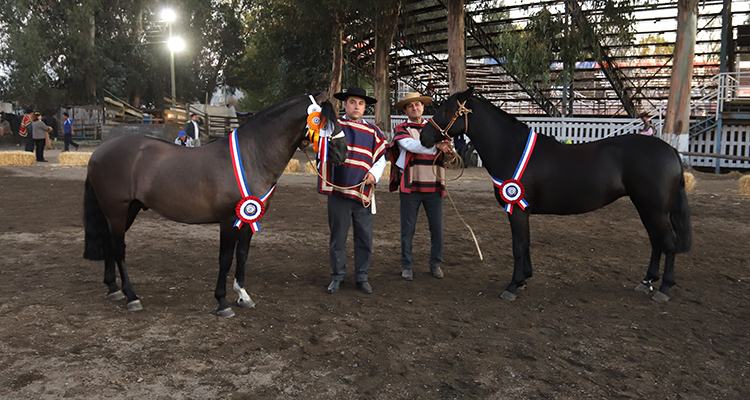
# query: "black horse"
[195,186]
[554,178]
[15,126]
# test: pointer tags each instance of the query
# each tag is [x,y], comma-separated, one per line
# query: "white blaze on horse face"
[244,297]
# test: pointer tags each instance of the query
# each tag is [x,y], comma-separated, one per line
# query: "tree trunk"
[338,50]
[386,30]
[677,121]
[89,73]
[456,47]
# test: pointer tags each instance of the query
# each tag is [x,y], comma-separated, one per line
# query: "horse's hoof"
[660,297]
[225,313]
[246,304]
[643,288]
[135,305]
[116,296]
[508,295]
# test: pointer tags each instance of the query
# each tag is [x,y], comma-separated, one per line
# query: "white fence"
[735,139]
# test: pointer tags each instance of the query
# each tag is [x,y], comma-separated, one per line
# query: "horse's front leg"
[519,227]
[243,247]
[228,240]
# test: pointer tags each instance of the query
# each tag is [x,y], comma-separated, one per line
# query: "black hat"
[356,92]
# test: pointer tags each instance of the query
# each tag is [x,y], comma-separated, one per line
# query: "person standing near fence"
[192,129]
[647,129]
[39,131]
[68,132]
[25,131]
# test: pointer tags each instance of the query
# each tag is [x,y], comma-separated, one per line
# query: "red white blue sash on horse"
[511,190]
[250,208]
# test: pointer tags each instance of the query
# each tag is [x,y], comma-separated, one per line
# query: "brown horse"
[194,186]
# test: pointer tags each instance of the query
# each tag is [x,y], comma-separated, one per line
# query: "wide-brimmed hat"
[356,92]
[414,96]
[643,114]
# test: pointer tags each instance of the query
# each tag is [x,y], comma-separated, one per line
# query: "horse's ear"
[463,96]
[321,96]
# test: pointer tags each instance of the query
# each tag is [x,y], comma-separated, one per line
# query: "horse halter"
[462,111]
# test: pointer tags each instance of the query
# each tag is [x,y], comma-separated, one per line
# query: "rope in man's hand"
[456,162]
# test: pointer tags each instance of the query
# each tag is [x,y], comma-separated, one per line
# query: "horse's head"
[450,119]
[337,147]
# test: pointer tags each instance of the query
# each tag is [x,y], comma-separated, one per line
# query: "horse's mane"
[519,128]
[273,111]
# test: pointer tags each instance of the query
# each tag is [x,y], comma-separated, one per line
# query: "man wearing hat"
[419,183]
[365,163]
[184,140]
[647,129]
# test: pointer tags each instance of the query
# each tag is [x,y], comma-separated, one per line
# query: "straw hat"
[414,96]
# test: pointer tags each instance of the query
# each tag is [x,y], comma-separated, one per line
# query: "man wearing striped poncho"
[420,180]
[364,163]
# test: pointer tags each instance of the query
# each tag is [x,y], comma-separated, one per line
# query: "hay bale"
[745,185]
[689,181]
[387,171]
[292,167]
[17,158]
[310,168]
[76,158]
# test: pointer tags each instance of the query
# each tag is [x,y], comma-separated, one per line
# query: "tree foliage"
[78,51]
[549,36]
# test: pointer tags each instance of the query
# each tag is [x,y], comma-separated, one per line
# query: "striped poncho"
[366,144]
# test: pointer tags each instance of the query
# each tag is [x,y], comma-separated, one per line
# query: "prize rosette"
[511,191]
[250,209]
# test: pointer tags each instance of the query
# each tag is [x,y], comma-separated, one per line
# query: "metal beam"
[616,77]
[493,51]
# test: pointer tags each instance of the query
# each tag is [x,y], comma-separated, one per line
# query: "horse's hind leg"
[118,228]
[663,240]
[228,240]
[243,248]
[110,279]
[110,276]
[652,275]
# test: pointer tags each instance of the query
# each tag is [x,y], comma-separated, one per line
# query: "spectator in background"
[25,130]
[192,129]
[184,140]
[68,132]
[647,129]
[39,131]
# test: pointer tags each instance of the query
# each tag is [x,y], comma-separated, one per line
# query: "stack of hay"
[76,158]
[17,158]
[292,167]
[310,168]
[689,181]
[745,185]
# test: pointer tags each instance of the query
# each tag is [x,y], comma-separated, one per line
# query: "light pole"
[174,44]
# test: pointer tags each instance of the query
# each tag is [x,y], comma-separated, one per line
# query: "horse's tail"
[98,239]
[680,218]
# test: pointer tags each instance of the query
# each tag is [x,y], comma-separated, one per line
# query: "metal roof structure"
[626,80]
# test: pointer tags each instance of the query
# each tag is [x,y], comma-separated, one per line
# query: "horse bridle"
[462,111]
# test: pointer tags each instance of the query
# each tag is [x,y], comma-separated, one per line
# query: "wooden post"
[677,122]
[456,47]
[338,44]
[385,31]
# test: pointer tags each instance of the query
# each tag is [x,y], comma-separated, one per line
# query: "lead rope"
[459,164]
[366,200]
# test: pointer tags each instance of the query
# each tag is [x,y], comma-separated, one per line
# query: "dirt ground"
[578,331]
